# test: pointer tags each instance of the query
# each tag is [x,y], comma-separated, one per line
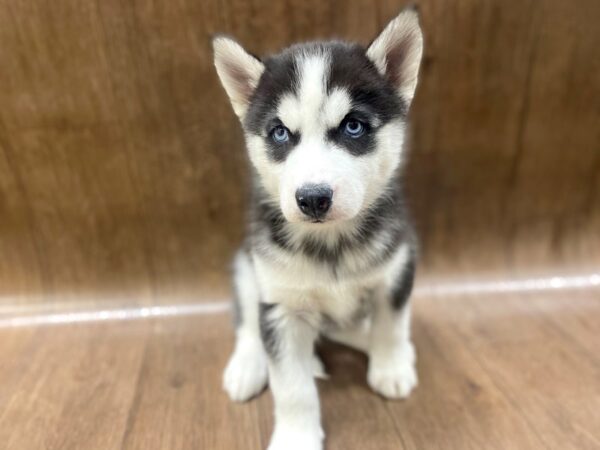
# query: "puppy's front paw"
[246,373]
[285,438]
[393,376]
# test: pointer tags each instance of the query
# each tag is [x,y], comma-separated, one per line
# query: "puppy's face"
[324,122]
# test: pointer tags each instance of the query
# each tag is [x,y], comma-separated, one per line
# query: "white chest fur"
[303,285]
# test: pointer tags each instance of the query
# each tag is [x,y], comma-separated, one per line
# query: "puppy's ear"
[239,72]
[397,52]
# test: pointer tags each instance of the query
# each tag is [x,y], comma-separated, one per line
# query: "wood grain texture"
[506,159]
[519,371]
[122,171]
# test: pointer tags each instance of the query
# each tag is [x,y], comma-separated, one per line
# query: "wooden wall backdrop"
[122,172]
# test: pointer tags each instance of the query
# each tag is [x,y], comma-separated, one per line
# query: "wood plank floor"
[500,372]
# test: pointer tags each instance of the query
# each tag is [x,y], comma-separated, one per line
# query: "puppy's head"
[325,122]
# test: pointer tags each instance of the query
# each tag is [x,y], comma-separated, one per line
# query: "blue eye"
[354,128]
[280,134]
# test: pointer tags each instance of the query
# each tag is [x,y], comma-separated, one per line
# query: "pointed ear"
[397,52]
[239,72]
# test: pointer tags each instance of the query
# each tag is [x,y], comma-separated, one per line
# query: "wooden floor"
[503,372]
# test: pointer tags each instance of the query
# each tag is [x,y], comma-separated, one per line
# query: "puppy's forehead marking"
[289,112]
[314,70]
[312,107]
[337,105]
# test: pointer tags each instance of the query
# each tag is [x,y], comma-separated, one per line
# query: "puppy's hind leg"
[246,373]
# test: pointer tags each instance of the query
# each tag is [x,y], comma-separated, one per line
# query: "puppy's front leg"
[289,340]
[392,356]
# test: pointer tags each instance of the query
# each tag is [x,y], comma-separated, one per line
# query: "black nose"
[314,200]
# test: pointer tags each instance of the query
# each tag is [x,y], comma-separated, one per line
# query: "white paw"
[393,376]
[318,369]
[292,439]
[246,373]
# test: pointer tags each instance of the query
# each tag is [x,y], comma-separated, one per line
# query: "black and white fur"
[345,271]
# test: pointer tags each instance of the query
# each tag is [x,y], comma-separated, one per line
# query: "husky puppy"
[330,248]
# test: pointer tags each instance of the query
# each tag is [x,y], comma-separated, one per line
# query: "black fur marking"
[320,252]
[373,97]
[357,146]
[354,71]
[279,78]
[403,287]
[272,217]
[351,69]
[266,218]
[268,330]
[278,152]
